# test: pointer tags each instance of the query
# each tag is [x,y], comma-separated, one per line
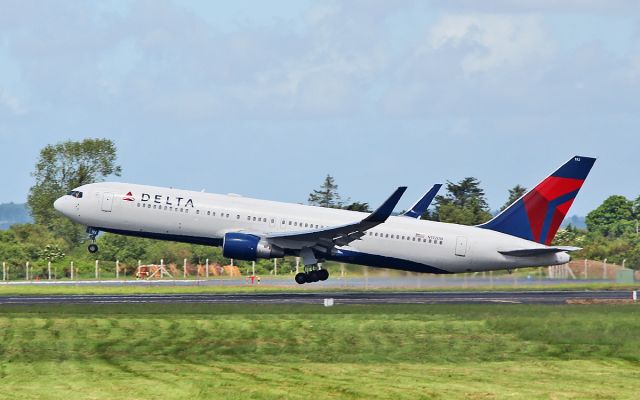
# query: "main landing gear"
[93,232]
[312,274]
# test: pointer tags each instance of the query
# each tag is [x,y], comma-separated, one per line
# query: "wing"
[421,205]
[323,240]
[537,251]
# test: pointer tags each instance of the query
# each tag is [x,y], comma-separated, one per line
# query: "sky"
[266,98]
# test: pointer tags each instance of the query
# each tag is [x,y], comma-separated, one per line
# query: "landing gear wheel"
[323,274]
[313,276]
[301,278]
[93,248]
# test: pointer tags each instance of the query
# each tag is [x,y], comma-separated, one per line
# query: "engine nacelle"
[243,246]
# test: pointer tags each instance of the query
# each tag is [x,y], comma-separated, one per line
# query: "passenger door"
[461,246]
[107,202]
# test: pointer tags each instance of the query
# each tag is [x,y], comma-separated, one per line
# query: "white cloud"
[537,6]
[12,103]
[493,41]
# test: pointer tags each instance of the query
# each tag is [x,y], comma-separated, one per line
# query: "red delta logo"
[128,197]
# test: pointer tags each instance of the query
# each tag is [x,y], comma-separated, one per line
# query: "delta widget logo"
[128,197]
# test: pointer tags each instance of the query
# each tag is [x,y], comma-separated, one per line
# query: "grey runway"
[469,297]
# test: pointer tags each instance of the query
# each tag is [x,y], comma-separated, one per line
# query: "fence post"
[297,265]
[206,272]
[49,269]
[97,266]
[117,269]
[253,268]
[605,276]
[275,266]
[27,271]
[184,269]
[4,271]
[586,274]
[71,270]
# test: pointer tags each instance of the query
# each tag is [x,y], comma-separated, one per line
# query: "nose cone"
[61,205]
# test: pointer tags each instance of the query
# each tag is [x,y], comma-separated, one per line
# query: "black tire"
[323,274]
[93,248]
[301,278]
[313,276]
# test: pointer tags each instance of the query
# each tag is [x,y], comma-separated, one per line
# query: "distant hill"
[575,221]
[11,213]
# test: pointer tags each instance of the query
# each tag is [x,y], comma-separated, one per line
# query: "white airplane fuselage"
[195,217]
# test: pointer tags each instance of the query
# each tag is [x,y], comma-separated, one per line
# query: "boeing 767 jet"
[248,229]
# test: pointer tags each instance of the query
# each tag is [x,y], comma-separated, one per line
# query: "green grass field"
[312,352]
[33,290]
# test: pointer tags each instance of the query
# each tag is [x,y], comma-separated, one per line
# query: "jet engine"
[243,246]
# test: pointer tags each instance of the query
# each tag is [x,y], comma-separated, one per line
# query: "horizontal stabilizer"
[538,251]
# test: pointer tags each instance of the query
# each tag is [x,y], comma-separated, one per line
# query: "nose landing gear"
[93,247]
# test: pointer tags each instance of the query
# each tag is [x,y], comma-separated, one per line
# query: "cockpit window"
[75,193]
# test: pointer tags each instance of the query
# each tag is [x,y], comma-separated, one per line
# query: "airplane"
[249,229]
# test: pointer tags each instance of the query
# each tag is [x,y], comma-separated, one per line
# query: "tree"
[51,253]
[62,167]
[464,203]
[327,195]
[127,250]
[358,206]
[613,217]
[514,194]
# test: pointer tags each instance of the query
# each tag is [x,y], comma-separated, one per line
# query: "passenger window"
[138,204]
[208,212]
[295,224]
[238,216]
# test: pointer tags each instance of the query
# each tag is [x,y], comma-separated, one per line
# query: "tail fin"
[538,214]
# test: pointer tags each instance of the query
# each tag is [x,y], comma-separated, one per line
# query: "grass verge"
[207,351]
[277,287]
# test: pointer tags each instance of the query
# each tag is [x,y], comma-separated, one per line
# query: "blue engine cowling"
[243,246]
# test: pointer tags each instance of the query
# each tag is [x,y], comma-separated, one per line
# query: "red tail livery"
[538,214]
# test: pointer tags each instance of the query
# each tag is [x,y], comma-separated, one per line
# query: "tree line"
[612,228]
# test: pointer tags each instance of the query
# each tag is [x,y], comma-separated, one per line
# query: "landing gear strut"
[93,232]
[312,273]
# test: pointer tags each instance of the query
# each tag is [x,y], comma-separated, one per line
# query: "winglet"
[421,205]
[384,211]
